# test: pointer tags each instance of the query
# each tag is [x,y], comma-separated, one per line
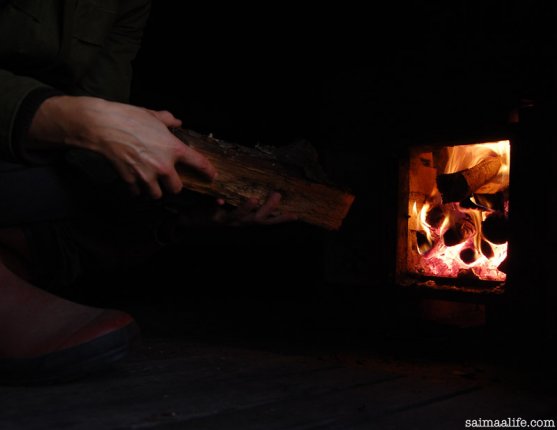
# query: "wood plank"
[218,387]
[154,391]
[330,410]
[495,401]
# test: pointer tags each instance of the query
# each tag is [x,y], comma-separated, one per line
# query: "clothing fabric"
[78,47]
[73,207]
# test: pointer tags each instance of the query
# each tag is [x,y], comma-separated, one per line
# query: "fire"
[465,234]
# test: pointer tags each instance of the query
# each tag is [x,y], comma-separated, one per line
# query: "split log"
[455,187]
[495,228]
[245,172]
[459,232]
[468,255]
[486,248]
[435,217]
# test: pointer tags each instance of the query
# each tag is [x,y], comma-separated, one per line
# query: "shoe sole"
[72,363]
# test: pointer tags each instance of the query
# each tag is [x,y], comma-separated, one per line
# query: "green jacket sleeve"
[13,91]
[103,43]
[110,75]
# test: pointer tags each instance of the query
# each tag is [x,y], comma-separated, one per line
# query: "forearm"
[58,122]
[90,123]
[136,140]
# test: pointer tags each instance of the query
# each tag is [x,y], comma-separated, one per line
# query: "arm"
[108,76]
[136,140]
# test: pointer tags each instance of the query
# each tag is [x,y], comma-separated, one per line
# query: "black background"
[360,85]
[342,76]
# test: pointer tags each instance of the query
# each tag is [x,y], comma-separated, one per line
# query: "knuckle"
[180,150]
[163,171]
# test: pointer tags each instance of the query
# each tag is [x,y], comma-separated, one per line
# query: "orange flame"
[441,260]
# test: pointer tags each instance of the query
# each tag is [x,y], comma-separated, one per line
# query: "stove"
[475,225]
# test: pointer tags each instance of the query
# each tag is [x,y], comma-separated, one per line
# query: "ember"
[458,211]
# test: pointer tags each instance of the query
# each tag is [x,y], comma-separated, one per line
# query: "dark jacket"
[75,47]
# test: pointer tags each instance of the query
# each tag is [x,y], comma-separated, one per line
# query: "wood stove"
[475,223]
[453,217]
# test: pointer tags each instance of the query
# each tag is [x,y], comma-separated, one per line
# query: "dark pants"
[78,217]
[34,194]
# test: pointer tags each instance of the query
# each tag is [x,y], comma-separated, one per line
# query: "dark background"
[360,86]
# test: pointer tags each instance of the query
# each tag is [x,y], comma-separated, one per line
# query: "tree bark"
[245,172]
[455,187]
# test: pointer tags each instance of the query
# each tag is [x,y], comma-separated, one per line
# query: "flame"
[423,223]
[464,156]
[438,259]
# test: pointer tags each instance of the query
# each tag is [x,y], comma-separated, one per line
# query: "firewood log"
[486,248]
[245,172]
[468,255]
[495,228]
[457,186]
[435,216]
[459,232]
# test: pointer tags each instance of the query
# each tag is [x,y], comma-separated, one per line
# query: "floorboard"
[171,384]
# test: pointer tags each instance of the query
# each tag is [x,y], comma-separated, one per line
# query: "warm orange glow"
[447,239]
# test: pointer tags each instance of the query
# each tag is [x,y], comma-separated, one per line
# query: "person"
[86,180]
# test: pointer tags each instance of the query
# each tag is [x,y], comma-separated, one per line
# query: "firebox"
[453,217]
[475,224]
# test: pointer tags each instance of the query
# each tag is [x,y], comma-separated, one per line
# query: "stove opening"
[453,216]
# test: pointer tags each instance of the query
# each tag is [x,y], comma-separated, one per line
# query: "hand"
[252,212]
[136,140]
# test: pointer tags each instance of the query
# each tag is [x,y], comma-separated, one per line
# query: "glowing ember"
[449,238]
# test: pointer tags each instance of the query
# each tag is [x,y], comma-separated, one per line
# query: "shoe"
[45,339]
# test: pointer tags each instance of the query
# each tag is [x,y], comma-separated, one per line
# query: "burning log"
[455,187]
[468,255]
[494,202]
[246,172]
[459,232]
[486,248]
[495,228]
[435,217]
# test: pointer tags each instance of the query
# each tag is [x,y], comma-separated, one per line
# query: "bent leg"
[45,339]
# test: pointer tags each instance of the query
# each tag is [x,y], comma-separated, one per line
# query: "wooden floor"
[176,384]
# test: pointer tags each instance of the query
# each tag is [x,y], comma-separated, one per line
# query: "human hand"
[252,212]
[136,140]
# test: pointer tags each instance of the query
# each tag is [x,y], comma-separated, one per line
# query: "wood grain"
[245,172]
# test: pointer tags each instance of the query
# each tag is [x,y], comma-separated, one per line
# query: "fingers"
[281,218]
[134,189]
[251,212]
[270,206]
[166,118]
[128,177]
[197,161]
[154,190]
[246,208]
[172,182]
